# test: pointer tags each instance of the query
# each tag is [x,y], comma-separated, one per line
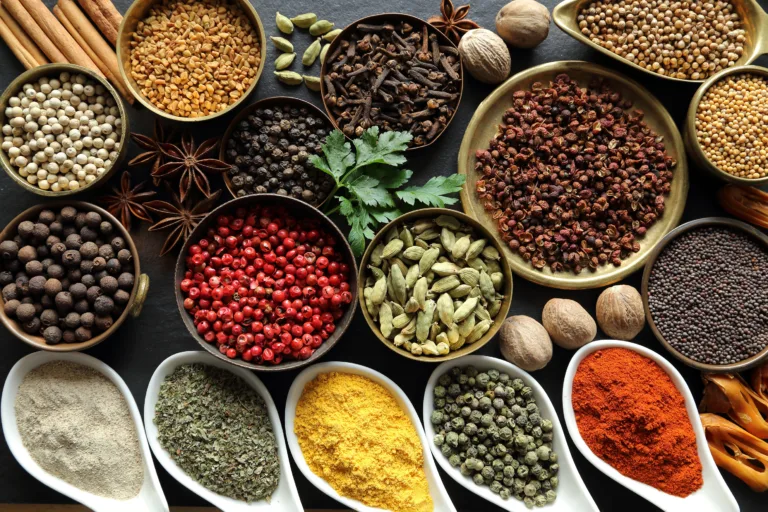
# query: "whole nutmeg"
[620,312]
[569,324]
[485,56]
[525,343]
[523,23]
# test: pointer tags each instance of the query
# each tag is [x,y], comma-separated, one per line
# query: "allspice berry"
[620,312]
[525,343]
[523,23]
[485,56]
[569,324]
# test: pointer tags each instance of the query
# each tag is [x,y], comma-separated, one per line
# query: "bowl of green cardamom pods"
[434,285]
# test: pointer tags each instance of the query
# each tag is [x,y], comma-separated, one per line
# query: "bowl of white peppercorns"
[64,129]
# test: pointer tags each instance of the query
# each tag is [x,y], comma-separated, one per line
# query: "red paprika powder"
[631,415]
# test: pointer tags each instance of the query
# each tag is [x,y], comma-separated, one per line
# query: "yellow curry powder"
[355,436]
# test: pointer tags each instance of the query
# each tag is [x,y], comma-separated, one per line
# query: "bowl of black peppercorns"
[69,274]
[269,144]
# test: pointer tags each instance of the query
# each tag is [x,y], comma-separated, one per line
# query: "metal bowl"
[138,294]
[264,103]
[431,213]
[752,15]
[692,141]
[53,70]
[300,209]
[417,23]
[735,225]
[484,126]
[136,13]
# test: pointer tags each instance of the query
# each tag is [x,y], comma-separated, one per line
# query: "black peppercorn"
[38,308]
[73,241]
[93,219]
[46,301]
[37,285]
[43,252]
[52,239]
[106,228]
[82,306]
[64,302]
[83,334]
[106,251]
[124,256]
[78,290]
[46,217]
[125,281]
[99,264]
[108,285]
[121,297]
[68,336]
[25,229]
[68,230]
[32,327]
[34,268]
[56,228]
[58,249]
[47,262]
[22,284]
[72,320]
[102,323]
[6,277]
[103,305]
[71,258]
[49,317]
[80,220]
[53,287]
[117,244]
[27,254]
[10,292]
[114,267]
[87,319]
[89,250]
[88,234]
[25,312]
[101,274]
[93,293]
[10,307]
[68,214]
[9,250]
[55,271]
[65,284]
[88,280]
[52,335]
[40,232]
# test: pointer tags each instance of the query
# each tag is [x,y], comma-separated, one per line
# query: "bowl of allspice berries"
[70,276]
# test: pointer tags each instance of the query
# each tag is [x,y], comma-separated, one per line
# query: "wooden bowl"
[138,294]
[432,213]
[753,17]
[484,127]
[300,209]
[376,19]
[692,141]
[136,13]
[275,101]
[724,222]
[53,70]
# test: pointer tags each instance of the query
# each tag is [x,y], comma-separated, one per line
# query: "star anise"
[181,216]
[151,146]
[128,201]
[452,21]
[191,162]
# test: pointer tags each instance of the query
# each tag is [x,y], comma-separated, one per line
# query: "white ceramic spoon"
[285,497]
[572,494]
[149,499]
[440,498]
[714,495]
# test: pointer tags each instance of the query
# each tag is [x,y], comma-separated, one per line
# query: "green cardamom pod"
[479,331]
[441,338]
[399,289]
[465,327]
[428,259]
[429,348]
[424,321]
[428,235]
[284,60]
[410,328]
[376,272]
[379,291]
[453,334]
[415,349]
[311,53]
[497,278]
[421,243]
[401,339]
[492,266]
[467,307]
[490,253]
[476,292]
[422,225]
[445,309]
[448,221]
[445,284]
[420,291]
[397,309]
[482,313]
[477,264]
[445,268]
[400,321]
[469,276]
[412,306]
[448,239]
[460,291]
[443,349]
[320,27]
[411,276]
[494,309]
[413,253]
[460,247]
[486,286]
[406,237]
[459,343]
[391,234]
[284,24]
[333,34]
[399,263]
[282,44]
[289,77]
[392,248]
[376,255]
[372,308]
[304,20]
[324,52]
[385,320]
[312,82]
[475,248]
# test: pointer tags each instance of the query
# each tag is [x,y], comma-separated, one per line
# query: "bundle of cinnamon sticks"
[36,36]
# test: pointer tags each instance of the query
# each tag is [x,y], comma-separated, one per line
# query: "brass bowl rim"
[297,206]
[725,222]
[37,341]
[433,213]
[123,59]
[694,146]
[247,111]
[568,280]
[380,17]
[564,22]
[49,70]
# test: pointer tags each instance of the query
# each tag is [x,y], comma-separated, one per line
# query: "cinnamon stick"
[23,39]
[91,41]
[30,26]
[104,16]
[16,47]
[58,34]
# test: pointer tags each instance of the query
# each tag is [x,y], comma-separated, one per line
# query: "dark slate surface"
[140,345]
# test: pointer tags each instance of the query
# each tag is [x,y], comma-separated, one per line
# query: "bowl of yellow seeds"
[191,60]
[727,125]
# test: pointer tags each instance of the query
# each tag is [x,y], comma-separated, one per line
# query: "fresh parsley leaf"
[433,192]
[384,215]
[360,224]
[387,148]
[338,156]
[368,191]
[388,176]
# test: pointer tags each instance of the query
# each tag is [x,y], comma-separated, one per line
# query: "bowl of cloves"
[393,71]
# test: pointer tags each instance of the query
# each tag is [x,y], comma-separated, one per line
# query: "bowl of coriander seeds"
[727,125]
[64,130]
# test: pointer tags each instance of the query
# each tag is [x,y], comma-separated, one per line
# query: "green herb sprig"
[369,181]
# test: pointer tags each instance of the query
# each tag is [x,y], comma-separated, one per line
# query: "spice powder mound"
[632,416]
[355,436]
[575,178]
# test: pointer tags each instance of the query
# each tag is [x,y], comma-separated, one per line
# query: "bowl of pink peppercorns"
[267,283]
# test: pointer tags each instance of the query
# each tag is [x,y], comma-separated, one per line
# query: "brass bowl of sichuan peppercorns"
[580,206]
[266,269]
[80,285]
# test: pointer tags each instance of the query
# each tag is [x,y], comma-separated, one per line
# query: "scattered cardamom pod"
[284,23]
[312,82]
[284,60]
[282,44]
[324,52]
[289,77]
[330,36]
[311,53]
[320,27]
[304,20]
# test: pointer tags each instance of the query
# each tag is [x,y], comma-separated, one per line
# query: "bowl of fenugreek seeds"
[212,64]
